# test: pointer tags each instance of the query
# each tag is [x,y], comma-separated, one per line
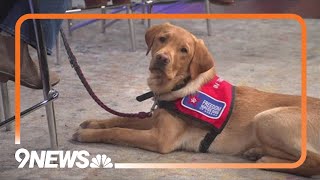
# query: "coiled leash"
[74,63]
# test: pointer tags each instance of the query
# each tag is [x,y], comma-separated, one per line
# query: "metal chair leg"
[103,21]
[42,55]
[69,27]
[149,9]
[207,6]
[58,42]
[131,28]
[6,106]
[44,70]
[143,10]
[2,118]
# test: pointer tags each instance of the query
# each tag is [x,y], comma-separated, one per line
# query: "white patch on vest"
[209,107]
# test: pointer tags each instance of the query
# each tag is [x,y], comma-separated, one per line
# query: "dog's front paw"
[87,135]
[84,135]
[76,136]
[90,124]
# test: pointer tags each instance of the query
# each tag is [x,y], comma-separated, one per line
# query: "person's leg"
[30,74]
[5,7]
[50,26]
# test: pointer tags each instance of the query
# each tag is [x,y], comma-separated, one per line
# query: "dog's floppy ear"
[202,59]
[151,33]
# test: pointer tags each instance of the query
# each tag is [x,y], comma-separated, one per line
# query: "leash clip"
[153,107]
[155,103]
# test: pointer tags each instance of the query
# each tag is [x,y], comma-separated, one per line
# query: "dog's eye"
[184,50]
[162,39]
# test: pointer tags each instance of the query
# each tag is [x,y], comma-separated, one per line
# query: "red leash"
[75,65]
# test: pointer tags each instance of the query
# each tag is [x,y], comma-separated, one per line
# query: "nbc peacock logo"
[101,161]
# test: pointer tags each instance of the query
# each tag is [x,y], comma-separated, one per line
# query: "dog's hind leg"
[309,168]
[278,132]
[256,153]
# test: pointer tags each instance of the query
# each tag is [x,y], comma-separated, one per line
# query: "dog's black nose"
[162,59]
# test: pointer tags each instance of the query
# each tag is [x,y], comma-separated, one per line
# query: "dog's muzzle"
[160,62]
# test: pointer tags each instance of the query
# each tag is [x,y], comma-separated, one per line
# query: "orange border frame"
[180,16]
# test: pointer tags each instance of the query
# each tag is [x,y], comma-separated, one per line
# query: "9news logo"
[61,159]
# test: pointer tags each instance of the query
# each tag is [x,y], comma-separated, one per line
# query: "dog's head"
[176,55]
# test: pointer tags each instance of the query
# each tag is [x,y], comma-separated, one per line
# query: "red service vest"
[212,104]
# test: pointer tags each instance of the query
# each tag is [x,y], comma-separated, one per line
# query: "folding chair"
[128,7]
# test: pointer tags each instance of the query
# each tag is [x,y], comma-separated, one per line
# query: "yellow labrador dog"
[263,127]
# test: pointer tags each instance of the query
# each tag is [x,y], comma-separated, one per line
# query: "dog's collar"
[150,94]
[182,84]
